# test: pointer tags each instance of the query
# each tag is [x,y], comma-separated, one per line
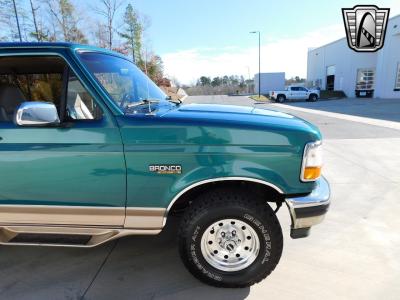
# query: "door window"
[18,84]
[80,104]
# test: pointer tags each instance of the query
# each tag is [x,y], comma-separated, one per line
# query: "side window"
[80,105]
[24,78]
[17,88]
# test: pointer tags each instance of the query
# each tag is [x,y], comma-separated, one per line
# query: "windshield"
[124,82]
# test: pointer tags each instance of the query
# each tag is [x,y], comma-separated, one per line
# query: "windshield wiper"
[144,101]
[149,102]
[177,101]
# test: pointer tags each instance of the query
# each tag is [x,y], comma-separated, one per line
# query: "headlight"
[312,162]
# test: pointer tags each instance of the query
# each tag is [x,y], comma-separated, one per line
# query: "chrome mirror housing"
[36,114]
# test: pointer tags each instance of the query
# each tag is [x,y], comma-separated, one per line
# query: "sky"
[212,38]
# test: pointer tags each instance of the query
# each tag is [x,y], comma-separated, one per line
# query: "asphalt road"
[353,254]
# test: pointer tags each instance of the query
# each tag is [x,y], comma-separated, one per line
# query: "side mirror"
[36,114]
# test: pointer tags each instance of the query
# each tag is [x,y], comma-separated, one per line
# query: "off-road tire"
[230,203]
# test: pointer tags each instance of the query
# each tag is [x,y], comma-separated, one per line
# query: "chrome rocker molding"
[309,210]
[249,179]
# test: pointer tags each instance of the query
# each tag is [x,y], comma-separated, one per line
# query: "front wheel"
[228,239]
[281,98]
[313,98]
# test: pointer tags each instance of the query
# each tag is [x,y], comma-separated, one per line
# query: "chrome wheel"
[230,245]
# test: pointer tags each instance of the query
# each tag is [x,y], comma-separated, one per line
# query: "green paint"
[105,163]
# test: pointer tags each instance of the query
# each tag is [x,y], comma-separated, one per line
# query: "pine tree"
[133,33]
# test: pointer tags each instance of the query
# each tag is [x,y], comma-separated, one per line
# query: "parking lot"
[353,254]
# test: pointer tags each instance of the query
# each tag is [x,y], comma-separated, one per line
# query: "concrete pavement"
[353,254]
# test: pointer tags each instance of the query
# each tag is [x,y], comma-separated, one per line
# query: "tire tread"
[228,198]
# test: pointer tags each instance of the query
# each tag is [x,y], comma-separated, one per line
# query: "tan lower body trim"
[62,215]
[144,218]
[132,218]
[102,224]
[98,236]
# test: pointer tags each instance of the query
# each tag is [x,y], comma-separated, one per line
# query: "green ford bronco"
[92,150]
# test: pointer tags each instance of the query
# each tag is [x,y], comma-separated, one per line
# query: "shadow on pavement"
[150,268]
[136,267]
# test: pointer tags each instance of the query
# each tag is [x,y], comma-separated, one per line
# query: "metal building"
[336,67]
[269,82]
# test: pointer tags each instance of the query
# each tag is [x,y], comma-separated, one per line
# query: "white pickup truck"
[295,92]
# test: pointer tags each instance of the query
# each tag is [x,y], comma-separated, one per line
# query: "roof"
[41,45]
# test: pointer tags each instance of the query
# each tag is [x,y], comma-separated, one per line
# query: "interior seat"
[10,98]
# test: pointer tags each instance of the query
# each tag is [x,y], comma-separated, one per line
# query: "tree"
[216,81]
[64,13]
[225,80]
[100,35]
[108,10]
[36,33]
[242,83]
[132,33]
[294,80]
[39,30]
[233,80]
[9,20]
[205,80]
[153,67]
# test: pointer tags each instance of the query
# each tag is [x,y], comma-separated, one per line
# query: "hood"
[240,116]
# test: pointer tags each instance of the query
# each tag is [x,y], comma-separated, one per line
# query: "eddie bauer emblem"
[365,27]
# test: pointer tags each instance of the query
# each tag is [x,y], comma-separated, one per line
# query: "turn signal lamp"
[312,162]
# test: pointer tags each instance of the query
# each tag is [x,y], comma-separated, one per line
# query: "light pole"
[259,62]
[249,80]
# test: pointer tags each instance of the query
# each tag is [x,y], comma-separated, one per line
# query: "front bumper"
[309,210]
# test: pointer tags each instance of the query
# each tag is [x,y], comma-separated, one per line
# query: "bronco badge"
[166,169]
